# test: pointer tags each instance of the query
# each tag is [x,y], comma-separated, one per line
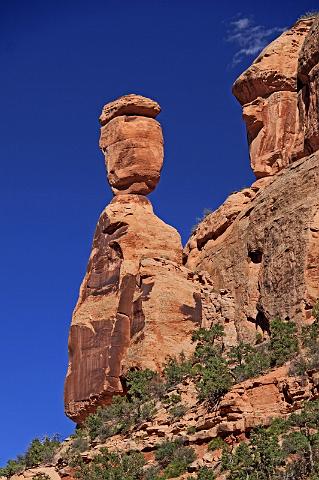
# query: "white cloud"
[249,38]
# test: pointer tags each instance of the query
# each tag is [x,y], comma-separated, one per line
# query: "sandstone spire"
[137,303]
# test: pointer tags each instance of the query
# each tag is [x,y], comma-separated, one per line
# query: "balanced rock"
[267,90]
[137,303]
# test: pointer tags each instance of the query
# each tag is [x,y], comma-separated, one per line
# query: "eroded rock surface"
[268,92]
[261,246]
[133,149]
[265,252]
[138,304]
[256,257]
[130,105]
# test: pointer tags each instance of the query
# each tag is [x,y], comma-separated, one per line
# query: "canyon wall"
[261,246]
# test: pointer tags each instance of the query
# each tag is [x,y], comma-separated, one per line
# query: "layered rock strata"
[137,303]
[249,404]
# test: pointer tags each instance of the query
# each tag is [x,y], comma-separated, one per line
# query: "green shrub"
[174,457]
[259,460]
[288,449]
[215,379]
[191,430]
[310,337]
[307,418]
[172,399]
[249,361]
[283,341]
[177,411]
[183,456]
[165,451]
[295,442]
[209,336]
[177,369]
[118,417]
[152,473]
[80,444]
[39,452]
[112,466]
[278,426]
[309,359]
[144,384]
[13,467]
[239,464]
[216,443]
[205,473]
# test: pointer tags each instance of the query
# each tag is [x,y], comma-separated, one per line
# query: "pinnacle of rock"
[132,142]
[268,92]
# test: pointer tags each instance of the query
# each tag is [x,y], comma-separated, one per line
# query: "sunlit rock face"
[268,92]
[253,259]
[261,247]
[138,304]
[308,85]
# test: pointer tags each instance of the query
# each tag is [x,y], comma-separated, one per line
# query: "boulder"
[133,149]
[129,105]
[267,90]
[266,255]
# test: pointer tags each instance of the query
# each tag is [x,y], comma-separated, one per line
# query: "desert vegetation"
[214,370]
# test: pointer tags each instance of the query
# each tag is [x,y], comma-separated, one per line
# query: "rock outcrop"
[261,246]
[254,258]
[137,303]
[268,92]
[132,142]
[308,84]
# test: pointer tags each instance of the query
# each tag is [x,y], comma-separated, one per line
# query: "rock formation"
[268,93]
[261,246]
[132,142]
[254,258]
[136,295]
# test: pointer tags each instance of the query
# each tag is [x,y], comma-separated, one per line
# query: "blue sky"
[60,62]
